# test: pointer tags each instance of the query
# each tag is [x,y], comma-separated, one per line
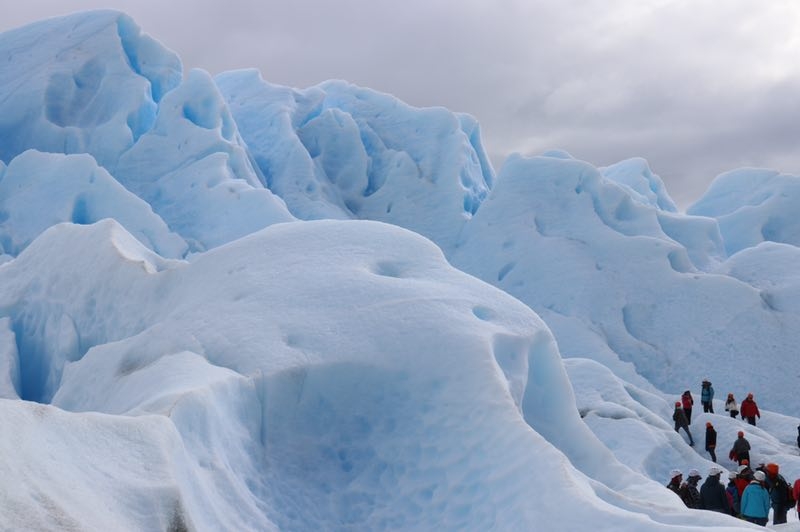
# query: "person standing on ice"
[778,493]
[707,397]
[689,492]
[755,501]
[688,402]
[733,493]
[796,494]
[731,407]
[711,441]
[675,480]
[744,478]
[681,421]
[712,493]
[741,449]
[750,410]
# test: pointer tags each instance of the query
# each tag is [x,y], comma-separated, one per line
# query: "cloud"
[695,87]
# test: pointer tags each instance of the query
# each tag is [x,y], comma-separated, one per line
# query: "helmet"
[760,476]
[675,473]
[772,469]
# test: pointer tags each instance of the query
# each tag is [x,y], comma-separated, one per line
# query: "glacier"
[227,304]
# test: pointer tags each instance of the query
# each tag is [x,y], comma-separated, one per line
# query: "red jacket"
[796,493]
[741,484]
[687,401]
[750,409]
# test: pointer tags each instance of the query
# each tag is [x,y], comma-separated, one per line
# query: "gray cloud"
[697,87]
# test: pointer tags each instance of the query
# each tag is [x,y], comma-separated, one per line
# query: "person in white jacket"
[731,407]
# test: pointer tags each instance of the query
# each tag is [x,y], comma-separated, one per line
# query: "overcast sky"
[697,87]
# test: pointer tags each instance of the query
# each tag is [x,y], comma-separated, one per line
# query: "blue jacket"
[755,501]
[733,491]
[707,394]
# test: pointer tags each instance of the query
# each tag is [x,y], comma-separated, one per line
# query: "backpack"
[687,400]
[783,486]
[790,500]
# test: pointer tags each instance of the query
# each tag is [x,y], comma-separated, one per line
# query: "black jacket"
[679,417]
[778,491]
[713,496]
[711,438]
[741,445]
[690,494]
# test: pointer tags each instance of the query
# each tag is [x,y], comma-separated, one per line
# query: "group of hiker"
[749,493]
[682,416]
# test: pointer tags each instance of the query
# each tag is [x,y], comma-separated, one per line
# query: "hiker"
[712,493]
[675,481]
[796,494]
[688,402]
[750,410]
[707,397]
[731,407]
[778,493]
[741,449]
[733,493]
[689,492]
[681,422]
[743,478]
[755,501]
[798,437]
[711,441]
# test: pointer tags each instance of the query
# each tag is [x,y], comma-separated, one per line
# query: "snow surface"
[231,305]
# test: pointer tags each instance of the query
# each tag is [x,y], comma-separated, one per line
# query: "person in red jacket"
[796,493]
[744,478]
[749,410]
[688,402]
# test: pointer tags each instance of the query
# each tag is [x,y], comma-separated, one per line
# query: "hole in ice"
[505,271]
[483,313]
[389,269]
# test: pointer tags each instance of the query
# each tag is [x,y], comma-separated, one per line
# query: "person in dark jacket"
[711,441]
[749,409]
[741,449]
[733,493]
[681,421]
[778,493]
[687,401]
[755,501]
[675,481]
[712,493]
[707,397]
[689,492]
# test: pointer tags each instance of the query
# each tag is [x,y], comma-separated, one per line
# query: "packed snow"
[231,305]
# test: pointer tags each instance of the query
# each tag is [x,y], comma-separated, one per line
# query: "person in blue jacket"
[707,397]
[733,494]
[755,500]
